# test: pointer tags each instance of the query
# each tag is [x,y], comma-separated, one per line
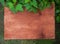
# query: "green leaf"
[34,3]
[14,1]
[57,11]
[41,5]
[11,6]
[34,10]
[19,7]
[26,1]
[58,19]
[27,6]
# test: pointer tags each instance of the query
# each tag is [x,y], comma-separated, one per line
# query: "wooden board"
[29,25]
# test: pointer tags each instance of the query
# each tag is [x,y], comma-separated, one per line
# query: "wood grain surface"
[29,25]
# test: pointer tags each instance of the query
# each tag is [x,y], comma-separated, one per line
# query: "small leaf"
[27,6]
[19,7]
[58,19]
[26,1]
[34,3]
[34,10]
[57,11]
[14,1]
[11,6]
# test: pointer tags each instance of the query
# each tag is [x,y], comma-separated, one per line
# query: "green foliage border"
[30,5]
